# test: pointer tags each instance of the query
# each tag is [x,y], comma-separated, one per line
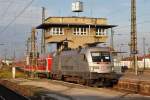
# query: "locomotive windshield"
[100,56]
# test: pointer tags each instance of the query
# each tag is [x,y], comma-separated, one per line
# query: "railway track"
[81,86]
[60,90]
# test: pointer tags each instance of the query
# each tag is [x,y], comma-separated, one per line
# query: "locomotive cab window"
[100,56]
[106,56]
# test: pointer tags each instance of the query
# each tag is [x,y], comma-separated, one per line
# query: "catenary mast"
[133,48]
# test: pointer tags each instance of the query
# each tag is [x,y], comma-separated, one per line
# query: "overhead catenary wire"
[139,23]
[7,8]
[7,26]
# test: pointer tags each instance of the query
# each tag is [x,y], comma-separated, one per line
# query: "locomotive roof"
[95,49]
[70,52]
[84,50]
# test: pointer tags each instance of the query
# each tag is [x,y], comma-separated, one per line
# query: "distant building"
[7,61]
[80,30]
[127,61]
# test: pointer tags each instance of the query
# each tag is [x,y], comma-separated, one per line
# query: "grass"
[7,73]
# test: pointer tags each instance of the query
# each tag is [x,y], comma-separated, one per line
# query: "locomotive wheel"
[63,78]
[89,82]
[82,81]
[52,76]
[97,82]
[107,82]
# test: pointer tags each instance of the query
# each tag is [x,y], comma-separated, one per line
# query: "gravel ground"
[67,91]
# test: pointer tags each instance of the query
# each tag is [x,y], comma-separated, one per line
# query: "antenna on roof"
[77,7]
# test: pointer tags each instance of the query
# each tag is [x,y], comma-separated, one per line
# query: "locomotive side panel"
[79,66]
[72,65]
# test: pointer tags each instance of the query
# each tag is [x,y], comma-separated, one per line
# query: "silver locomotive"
[91,65]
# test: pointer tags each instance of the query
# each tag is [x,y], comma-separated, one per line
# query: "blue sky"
[117,12]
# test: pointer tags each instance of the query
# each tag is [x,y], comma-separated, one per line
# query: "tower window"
[80,31]
[100,31]
[56,31]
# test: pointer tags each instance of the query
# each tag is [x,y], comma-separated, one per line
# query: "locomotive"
[42,68]
[89,65]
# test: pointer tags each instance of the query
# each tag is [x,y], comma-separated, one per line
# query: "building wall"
[77,39]
[140,63]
